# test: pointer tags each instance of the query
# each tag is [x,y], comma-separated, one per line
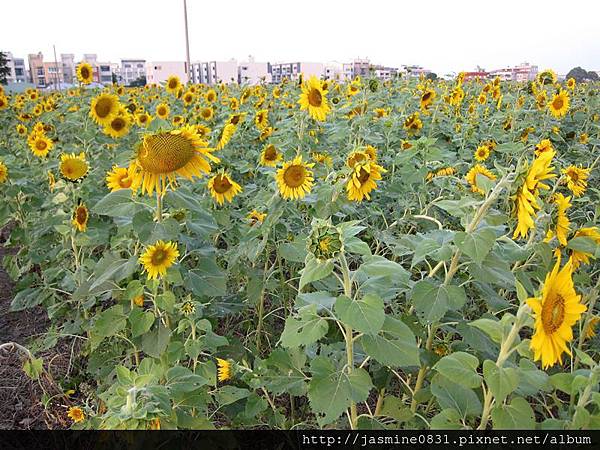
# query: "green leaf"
[378,266]
[395,344]
[306,328]
[109,322]
[207,279]
[155,342]
[141,321]
[330,391]
[424,248]
[365,314]
[166,301]
[456,396]
[583,244]
[432,300]
[447,419]
[501,381]
[517,415]
[227,395]
[314,270]
[323,300]
[492,328]
[117,204]
[181,379]
[286,373]
[477,244]
[33,367]
[394,407]
[461,368]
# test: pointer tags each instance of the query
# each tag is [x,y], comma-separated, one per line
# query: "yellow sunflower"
[73,167]
[256,217]
[544,146]
[104,107]
[207,113]
[226,134]
[51,181]
[476,172]
[40,145]
[85,73]
[270,156]
[571,83]
[188,98]
[21,129]
[576,179]
[547,76]
[120,178]
[224,369]
[314,99]
[163,110]
[173,84]
[210,96]
[162,156]
[555,312]
[3,172]
[580,256]
[262,119]
[203,131]
[482,153]
[222,187]
[295,179]
[413,123]
[80,217]
[322,158]
[363,180]
[563,224]
[559,105]
[76,414]
[143,119]
[158,258]
[427,98]
[118,126]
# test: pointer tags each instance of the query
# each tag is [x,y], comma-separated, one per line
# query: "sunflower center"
[81,215]
[125,181]
[426,96]
[235,119]
[558,103]
[172,84]
[41,145]
[324,244]
[270,153]
[221,184]
[118,124]
[162,111]
[553,313]
[363,176]
[294,176]
[315,98]
[103,107]
[165,153]
[85,73]
[159,257]
[573,176]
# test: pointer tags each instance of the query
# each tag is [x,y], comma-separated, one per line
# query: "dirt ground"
[21,398]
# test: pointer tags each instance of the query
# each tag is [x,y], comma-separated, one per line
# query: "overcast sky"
[441,35]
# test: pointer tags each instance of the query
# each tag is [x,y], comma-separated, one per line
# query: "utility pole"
[187,43]
[56,66]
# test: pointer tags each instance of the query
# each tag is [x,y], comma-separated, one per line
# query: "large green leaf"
[314,270]
[304,329]
[455,396]
[365,314]
[395,344]
[517,415]
[432,300]
[461,368]
[477,244]
[331,390]
[501,381]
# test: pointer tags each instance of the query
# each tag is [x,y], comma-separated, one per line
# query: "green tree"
[4,69]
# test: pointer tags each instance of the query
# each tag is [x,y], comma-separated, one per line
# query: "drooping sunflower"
[222,187]
[224,369]
[582,257]
[118,126]
[51,181]
[295,179]
[363,180]
[355,157]
[158,258]
[413,123]
[262,119]
[203,131]
[314,99]
[80,217]
[73,167]
[559,105]
[3,172]
[104,107]
[476,172]
[163,110]
[322,158]
[173,84]
[482,153]
[163,155]
[563,225]
[545,145]
[427,98]
[555,312]
[85,73]
[270,156]
[576,179]
[120,178]
[40,145]
[547,76]
[226,134]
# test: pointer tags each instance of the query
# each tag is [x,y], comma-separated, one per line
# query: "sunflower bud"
[325,241]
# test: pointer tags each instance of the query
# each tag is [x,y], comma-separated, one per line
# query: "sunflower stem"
[158,207]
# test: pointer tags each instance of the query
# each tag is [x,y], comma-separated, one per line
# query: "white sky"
[441,35]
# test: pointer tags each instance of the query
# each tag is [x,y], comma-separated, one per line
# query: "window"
[127,66]
[140,66]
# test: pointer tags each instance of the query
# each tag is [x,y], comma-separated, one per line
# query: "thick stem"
[158,207]
[349,337]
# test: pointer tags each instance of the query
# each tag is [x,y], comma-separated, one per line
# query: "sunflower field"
[402,254]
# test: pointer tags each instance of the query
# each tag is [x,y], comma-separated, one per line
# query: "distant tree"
[114,78]
[579,75]
[431,76]
[4,69]
[140,81]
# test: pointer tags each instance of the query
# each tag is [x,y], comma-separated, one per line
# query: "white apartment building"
[131,70]
[522,72]
[252,72]
[159,71]
[334,70]
[292,70]
[17,74]
[214,72]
